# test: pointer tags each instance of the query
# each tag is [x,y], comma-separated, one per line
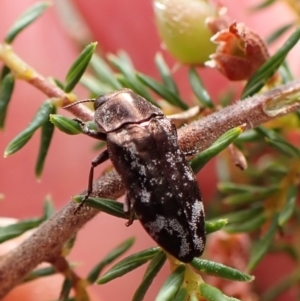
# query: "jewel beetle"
[161,188]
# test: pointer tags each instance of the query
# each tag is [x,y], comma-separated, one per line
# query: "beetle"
[161,188]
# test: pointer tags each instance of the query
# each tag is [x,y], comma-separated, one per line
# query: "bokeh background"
[50,49]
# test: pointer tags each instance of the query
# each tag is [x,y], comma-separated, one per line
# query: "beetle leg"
[102,157]
[89,132]
[127,204]
[128,208]
[131,218]
[186,154]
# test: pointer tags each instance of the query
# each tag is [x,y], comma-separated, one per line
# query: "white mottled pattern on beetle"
[170,226]
[145,196]
[197,214]
[108,116]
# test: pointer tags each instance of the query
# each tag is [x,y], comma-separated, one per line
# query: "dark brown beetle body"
[161,187]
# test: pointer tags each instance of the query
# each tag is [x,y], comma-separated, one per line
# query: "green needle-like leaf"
[211,293]
[220,270]
[104,72]
[278,142]
[165,74]
[38,273]
[46,137]
[14,230]
[78,67]
[125,66]
[94,85]
[240,215]
[108,206]
[261,76]
[69,244]
[6,90]
[58,83]
[49,209]
[247,225]
[248,136]
[181,294]
[161,90]
[286,73]
[229,187]
[66,289]
[220,144]
[284,147]
[113,255]
[66,125]
[153,268]
[199,90]
[26,19]
[39,119]
[125,82]
[211,227]
[289,207]
[279,32]
[128,264]
[262,5]
[5,70]
[172,284]
[250,197]
[262,246]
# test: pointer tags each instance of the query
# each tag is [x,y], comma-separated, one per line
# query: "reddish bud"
[240,52]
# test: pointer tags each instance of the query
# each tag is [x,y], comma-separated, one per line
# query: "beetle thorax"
[124,108]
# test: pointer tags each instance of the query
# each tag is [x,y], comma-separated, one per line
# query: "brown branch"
[48,239]
[52,91]
[252,112]
[23,71]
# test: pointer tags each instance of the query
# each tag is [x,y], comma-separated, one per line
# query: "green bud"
[182,28]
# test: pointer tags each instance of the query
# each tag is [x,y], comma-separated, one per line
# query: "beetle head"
[115,109]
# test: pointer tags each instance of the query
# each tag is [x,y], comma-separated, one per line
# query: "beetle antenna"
[79,101]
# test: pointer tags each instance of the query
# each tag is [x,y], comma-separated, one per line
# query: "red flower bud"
[240,52]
